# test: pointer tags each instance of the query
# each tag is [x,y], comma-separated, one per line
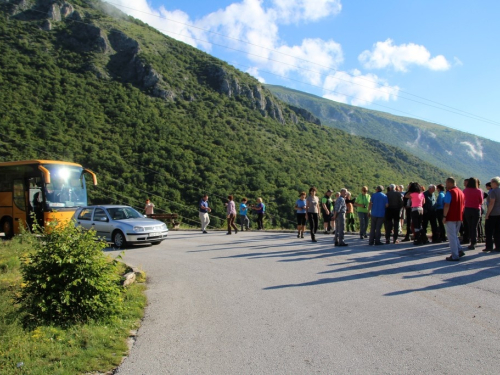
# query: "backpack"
[263,208]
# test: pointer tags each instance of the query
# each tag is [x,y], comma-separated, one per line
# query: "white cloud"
[254,71]
[386,54]
[358,89]
[474,150]
[176,23]
[253,26]
[289,11]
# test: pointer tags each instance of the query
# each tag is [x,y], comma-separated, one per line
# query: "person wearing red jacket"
[454,203]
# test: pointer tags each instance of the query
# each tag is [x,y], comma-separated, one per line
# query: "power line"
[451,109]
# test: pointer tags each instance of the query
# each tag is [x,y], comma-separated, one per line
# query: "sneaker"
[228,233]
[488,249]
[450,259]
[365,236]
[343,244]
[336,243]
[378,243]
[471,247]
[298,235]
[204,232]
[236,231]
[461,253]
[302,235]
[406,239]
[360,237]
[326,232]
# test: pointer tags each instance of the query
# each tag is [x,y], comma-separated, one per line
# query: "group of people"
[259,208]
[448,210]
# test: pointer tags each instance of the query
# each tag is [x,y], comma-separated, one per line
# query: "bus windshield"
[66,188]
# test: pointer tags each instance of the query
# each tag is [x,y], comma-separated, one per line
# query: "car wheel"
[119,239]
[7,228]
[156,243]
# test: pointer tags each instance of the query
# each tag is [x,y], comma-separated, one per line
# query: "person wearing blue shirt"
[204,210]
[439,213]
[300,207]
[244,220]
[376,210]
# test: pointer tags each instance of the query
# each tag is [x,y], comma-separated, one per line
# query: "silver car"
[121,225]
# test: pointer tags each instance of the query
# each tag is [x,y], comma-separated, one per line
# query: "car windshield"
[121,213]
[66,188]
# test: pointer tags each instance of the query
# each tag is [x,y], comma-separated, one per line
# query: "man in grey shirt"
[339,218]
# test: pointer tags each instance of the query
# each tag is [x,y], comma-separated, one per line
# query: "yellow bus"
[41,190]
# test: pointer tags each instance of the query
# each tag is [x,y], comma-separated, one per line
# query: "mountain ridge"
[463,153]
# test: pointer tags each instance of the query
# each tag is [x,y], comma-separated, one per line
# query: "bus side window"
[19,197]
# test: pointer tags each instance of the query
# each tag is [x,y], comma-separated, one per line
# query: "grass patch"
[79,348]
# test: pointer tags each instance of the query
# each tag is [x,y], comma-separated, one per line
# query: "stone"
[129,278]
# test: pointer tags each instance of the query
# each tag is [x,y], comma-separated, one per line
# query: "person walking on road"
[204,211]
[312,212]
[376,209]
[454,204]
[244,220]
[362,203]
[300,207]
[393,214]
[493,217]
[231,215]
[339,218]
[149,208]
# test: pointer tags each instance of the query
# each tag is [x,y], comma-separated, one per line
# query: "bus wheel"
[119,239]
[7,227]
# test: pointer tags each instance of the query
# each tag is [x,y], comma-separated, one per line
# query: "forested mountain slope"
[464,154]
[154,116]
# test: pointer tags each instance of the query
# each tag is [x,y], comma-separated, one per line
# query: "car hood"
[141,222]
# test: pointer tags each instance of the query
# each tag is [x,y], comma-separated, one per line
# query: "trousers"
[376,229]
[339,227]
[453,228]
[392,216]
[205,220]
[363,223]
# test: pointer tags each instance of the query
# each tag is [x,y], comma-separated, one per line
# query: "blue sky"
[372,54]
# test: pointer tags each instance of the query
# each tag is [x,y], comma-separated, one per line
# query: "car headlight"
[138,229]
[164,227]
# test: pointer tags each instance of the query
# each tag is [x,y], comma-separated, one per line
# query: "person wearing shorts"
[300,207]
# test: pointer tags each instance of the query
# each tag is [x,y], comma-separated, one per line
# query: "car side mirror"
[145,215]
[104,219]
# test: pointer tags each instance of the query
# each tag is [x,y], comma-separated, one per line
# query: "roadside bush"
[68,279]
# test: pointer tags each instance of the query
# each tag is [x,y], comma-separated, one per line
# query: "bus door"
[35,201]
[20,211]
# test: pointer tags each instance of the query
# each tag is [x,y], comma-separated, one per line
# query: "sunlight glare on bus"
[64,174]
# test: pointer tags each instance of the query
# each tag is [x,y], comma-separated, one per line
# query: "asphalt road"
[269,303]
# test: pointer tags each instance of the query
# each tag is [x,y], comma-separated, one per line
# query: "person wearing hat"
[149,208]
[376,210]
[327,210]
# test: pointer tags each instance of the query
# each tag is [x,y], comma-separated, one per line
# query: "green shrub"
[68,279]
